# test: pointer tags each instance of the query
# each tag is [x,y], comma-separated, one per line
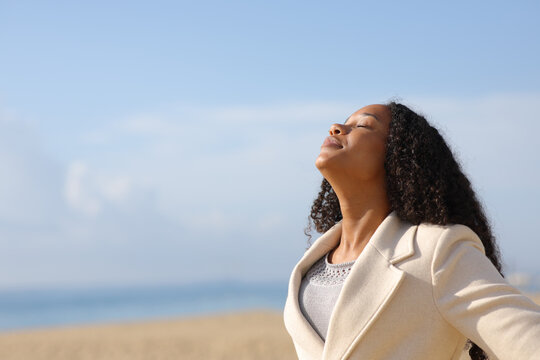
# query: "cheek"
[369,159]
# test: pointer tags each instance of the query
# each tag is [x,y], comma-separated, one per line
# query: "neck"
[363,206]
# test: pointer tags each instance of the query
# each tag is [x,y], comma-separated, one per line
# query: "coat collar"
[369,286]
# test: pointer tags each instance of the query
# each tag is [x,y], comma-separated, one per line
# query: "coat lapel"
[370,285]
[297,325]
[372,282]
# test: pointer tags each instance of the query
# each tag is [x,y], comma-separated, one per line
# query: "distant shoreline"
[145,318]
[49,308]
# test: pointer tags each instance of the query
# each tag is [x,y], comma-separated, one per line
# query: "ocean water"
[24,309]
[39,308]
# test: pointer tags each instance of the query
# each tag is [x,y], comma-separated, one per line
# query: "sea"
[42,308]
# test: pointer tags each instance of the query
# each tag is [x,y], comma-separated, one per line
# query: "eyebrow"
[364,114]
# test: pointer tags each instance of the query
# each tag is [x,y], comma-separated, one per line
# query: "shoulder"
[440,240]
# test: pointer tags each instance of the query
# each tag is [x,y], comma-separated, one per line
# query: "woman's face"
[357,147]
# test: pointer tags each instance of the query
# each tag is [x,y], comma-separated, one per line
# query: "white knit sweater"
[319,292]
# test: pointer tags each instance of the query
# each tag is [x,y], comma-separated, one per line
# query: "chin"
[322,163]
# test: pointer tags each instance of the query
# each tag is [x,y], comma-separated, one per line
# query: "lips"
[331,141]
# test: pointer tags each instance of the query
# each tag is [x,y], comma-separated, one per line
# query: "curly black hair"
[424,183]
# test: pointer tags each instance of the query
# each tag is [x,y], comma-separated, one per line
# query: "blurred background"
[157,158]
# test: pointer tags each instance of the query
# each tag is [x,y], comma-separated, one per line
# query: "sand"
[245,335]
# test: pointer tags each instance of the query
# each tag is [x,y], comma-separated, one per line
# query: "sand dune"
[246,335]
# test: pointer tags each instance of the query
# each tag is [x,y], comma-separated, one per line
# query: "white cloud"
[86,191]
[77,192]
[29,189]
[115,189]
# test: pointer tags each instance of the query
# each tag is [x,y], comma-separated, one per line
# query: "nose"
[337,129]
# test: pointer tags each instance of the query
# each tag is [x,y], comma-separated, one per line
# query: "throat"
[341,254]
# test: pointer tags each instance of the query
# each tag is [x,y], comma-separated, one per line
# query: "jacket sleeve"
[476,300]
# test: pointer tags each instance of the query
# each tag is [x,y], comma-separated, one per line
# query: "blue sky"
[165,141]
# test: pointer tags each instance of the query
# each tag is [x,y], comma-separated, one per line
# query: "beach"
[256,334]
[242,335]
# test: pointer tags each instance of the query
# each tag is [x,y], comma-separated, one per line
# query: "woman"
[407,267]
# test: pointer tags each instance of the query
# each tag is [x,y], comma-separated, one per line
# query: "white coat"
[416,292]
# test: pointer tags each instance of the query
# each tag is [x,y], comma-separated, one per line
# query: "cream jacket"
[416,292]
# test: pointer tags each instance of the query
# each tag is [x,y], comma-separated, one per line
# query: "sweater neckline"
[338,266]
